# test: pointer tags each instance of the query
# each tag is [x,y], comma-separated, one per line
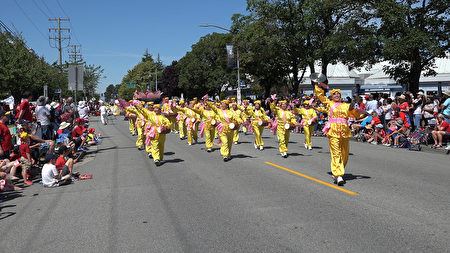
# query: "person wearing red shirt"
[442,128]
[375,119]
[78,134]
[63,164]
[5,136]
[24,110]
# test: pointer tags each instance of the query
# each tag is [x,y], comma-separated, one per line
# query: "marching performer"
[247,110]
[259,120]
[309,116]
[130,113]
[140,122]
[148,113]
[191,121]
[166,109]
[159,127]
[285,122]
[337,128]
[227,122]
[181,117]
[208,125]
[238,114]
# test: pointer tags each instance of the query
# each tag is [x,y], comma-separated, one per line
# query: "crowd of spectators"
[42,140]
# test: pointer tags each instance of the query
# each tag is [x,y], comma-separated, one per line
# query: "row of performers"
[151,122]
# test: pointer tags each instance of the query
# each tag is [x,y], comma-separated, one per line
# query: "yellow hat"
[257,102]
[225,101]
[150,103]
[306,102]
[157,106]
[283,102]
[233,99]
[181,102]
[24,135]
[335,91]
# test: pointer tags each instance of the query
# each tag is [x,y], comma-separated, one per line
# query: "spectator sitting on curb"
[50,175]
[442,129]
[63,164]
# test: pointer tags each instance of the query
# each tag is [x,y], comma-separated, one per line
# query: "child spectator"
[25,157]
[64,164]
[50,175]
[378,135]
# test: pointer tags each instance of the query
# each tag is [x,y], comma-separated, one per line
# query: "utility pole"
[59,38]
[75,54]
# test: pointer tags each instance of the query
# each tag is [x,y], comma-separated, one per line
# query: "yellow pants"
[182,129]
[339,150]
[226,137]
[308,130]
[236,135]
[140,141]
[148,148]
[173,124]
[283,139]
[257,131]
[132,126]
[209,136]
[158,147]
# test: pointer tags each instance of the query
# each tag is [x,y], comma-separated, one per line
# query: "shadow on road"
[350,177]
[5,196]
[177,160]
[169,153]
[240,156]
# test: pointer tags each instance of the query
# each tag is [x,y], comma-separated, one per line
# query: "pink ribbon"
[202,128]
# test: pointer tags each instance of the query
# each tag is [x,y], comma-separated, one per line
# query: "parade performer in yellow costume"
[238,114]
[286,120]
[166,109]
[208,125]
[309,116]
[160,126]
[337,129]
[181,118]
[130,113]
[227,121]
[247,110]
[191,121]
[148,113]
[259,120]
[140,122]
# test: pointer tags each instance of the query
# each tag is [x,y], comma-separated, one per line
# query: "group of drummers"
[223,120]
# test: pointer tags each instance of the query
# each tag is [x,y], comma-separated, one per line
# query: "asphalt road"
[395,201]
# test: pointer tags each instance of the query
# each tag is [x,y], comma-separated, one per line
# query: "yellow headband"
[335,91]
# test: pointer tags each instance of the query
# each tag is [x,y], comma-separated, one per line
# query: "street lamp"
[238,90]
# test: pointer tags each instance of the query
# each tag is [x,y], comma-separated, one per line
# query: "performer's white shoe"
[340,181]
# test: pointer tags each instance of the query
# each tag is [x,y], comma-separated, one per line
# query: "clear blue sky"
[115,34]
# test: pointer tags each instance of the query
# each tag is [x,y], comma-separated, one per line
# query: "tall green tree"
[92,76]
[170,80]
[21,69]
[204,69]
[261,52]
[142,75]
[413,34]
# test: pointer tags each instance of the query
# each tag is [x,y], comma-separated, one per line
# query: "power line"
[39,8]
[70,23]
[49,11]
[29,19]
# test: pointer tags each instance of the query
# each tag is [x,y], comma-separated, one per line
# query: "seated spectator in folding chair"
[50,175]
[401,134]
[442,129]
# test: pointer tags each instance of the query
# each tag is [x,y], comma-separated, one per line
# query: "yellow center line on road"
[351,193]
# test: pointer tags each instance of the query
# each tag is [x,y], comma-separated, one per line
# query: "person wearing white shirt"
[50,175]
[43,118]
